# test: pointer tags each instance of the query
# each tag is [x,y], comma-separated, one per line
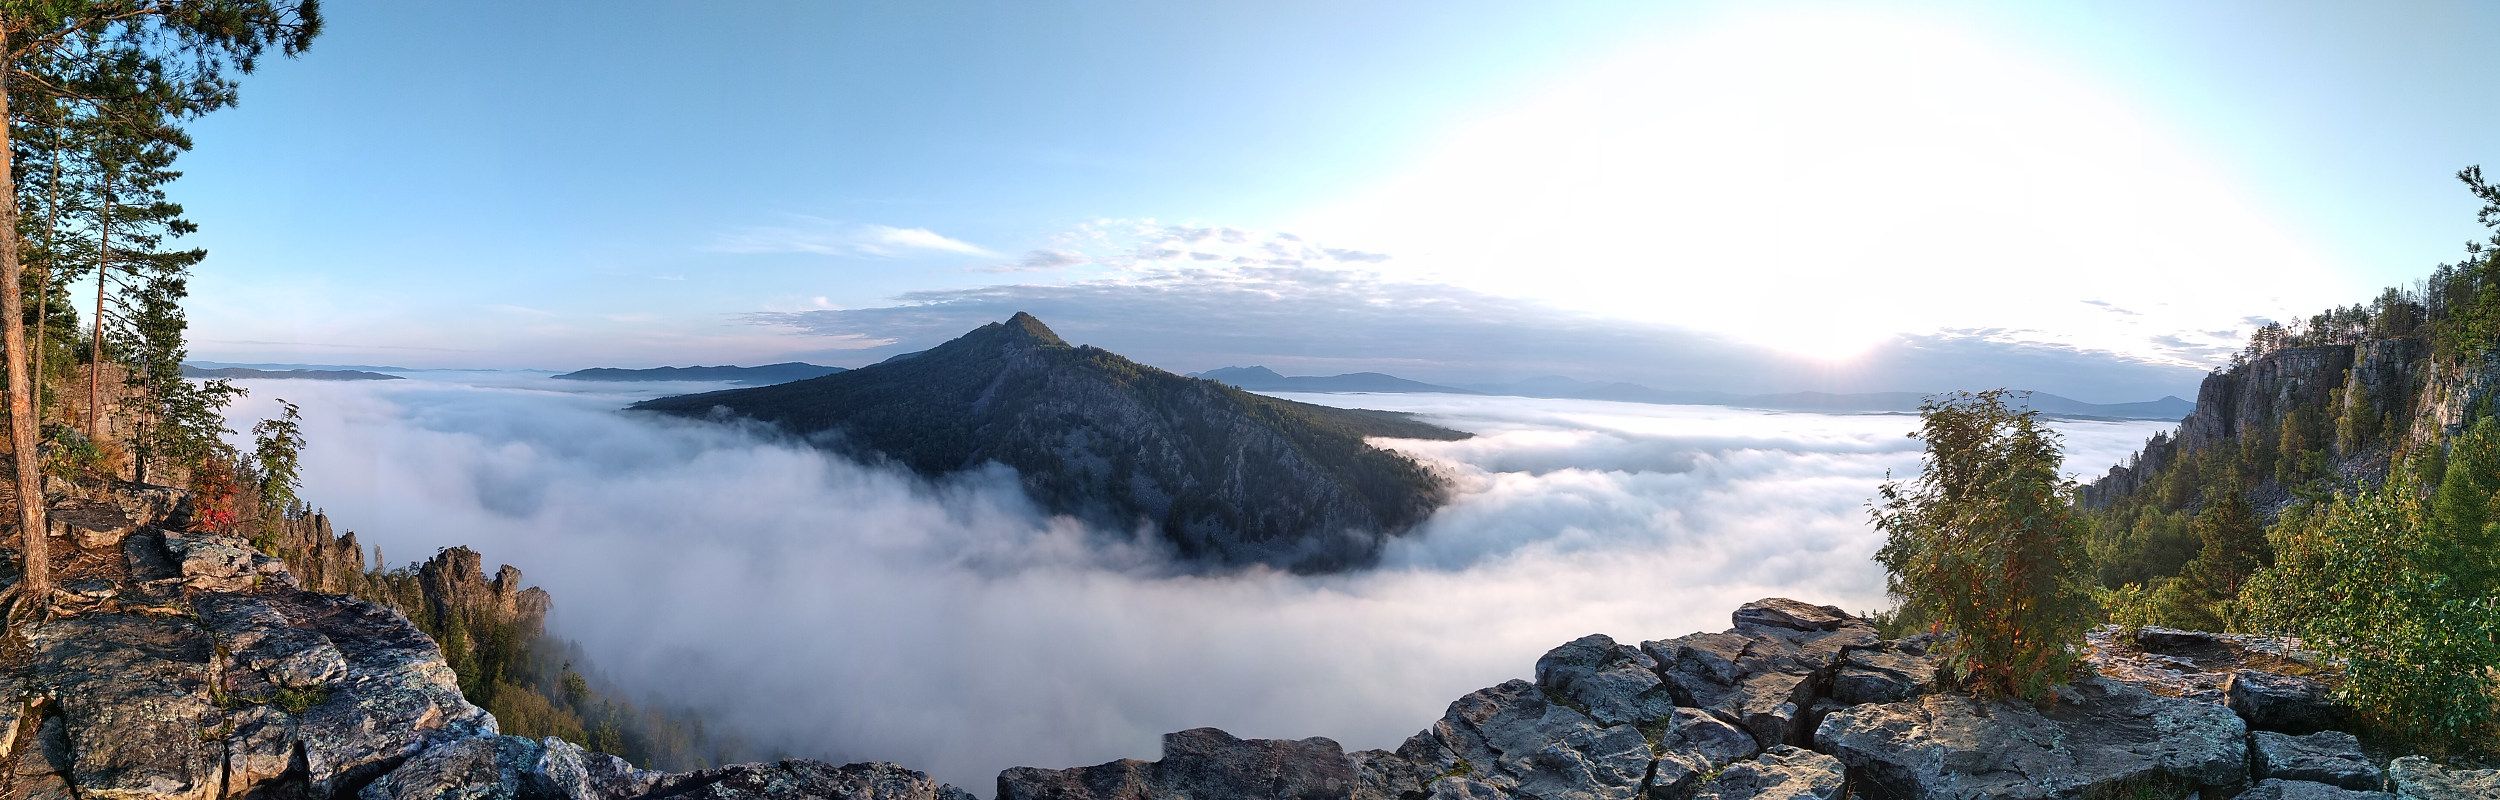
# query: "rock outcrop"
[1804,701]
[2329,757]
[2279,789]
[188,665]
[2417,778]
[321,561]
[1204,762]
[203,670]
[454,584]
[2099,735]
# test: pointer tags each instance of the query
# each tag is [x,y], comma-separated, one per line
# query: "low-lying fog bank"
[853,612]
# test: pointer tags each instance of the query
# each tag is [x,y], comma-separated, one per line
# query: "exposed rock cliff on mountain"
[2360,402]
[1226,476]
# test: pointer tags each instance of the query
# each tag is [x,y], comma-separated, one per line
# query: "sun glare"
[1819,183]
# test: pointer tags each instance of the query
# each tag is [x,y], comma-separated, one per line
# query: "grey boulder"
[2417,778]
[2101,736]
[2283,703]
[1611,683]
[2329,757]
[2279,789]
[1202,762]
[1780,773]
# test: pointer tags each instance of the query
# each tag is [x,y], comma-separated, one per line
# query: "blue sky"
[472,184]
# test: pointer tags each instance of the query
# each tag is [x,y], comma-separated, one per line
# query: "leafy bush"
[2129,607]
[1984,545]
[2369,579]
[71,457]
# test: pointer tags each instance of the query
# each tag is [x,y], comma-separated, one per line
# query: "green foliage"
[530,682]
[2400,576]
[523,711]
[2369,578]
[2129,607]
[2466,509]
[277,458]
[70,456]
[2231,546]
[297,701]
[2465,296]
[1983,543]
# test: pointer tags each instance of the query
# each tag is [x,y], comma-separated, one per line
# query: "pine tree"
[2465,510]
[2231,546]
[178,59]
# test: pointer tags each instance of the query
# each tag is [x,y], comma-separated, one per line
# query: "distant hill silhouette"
[1262,379]
[784,372]
[2167,408]
[1226,476]
[247,373]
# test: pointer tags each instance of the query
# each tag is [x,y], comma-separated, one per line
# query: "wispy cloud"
[1041,260]
[820,236]
[1316,320]
[2113,308]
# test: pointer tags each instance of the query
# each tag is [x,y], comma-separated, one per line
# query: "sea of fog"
[850,612]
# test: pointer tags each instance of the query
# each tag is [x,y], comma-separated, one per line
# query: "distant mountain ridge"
[784,372]
[1262,379]
[204,364]
[247,373]
[1227,477]
[2167,408]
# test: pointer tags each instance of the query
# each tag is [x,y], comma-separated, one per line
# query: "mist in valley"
[829,608]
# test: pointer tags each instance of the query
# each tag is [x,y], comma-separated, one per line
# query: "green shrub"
[1984,545]
[2369,579]
[2129,607]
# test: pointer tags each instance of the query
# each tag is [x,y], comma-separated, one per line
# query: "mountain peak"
[1095,435]
[1027,326]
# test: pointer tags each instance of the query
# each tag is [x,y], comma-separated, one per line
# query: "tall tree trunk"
[103,267]
[43,282]
[36,583]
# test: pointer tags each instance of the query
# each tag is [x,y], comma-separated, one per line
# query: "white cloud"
[820,236]
[1278,301]
[851,612]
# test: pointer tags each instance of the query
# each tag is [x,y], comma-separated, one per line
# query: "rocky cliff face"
[189,665]
[454,584]
[2393,383]
[2449,391]
[321,560]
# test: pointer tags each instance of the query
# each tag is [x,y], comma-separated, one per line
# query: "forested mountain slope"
[1228,477]
[2338,481]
